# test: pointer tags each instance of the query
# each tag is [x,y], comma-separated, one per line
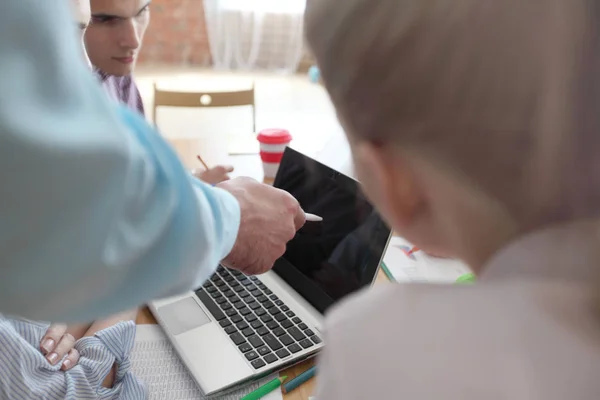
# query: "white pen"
[312,217]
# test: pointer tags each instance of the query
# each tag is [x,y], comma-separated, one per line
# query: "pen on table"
[265,389]
[312,217]
[299,380]
[202,161]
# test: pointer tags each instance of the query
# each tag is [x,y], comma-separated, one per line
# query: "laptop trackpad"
[183,315]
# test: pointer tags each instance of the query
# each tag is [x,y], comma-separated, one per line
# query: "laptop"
[237,328]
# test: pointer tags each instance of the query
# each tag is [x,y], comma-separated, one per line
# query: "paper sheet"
[155,362]
[420,267]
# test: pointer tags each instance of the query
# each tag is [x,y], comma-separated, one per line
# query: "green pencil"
[265,389]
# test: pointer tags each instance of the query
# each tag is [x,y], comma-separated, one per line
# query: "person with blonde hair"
[477,125]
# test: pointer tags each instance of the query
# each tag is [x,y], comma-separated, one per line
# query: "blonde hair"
[504,92]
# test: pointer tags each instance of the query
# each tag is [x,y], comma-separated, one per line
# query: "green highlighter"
[466,278]
[265,389]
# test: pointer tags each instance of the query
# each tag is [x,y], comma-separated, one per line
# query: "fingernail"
[67,363]
[52,358]
[48,345]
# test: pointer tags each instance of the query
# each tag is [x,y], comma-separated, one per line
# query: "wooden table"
[303,392]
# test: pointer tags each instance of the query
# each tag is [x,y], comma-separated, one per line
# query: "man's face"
[115,34]
[81,12]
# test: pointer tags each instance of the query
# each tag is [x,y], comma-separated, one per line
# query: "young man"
[474,128]
[113,42]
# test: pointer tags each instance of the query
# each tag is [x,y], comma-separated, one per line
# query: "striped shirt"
[123,90]
[26,374]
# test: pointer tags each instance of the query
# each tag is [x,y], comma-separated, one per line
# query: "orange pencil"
[202,161]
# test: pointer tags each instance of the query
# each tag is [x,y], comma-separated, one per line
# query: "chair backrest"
[169,98]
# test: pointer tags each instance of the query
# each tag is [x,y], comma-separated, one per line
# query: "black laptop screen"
[327,260]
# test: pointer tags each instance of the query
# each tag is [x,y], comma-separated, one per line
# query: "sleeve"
[98,355]
[97,213]
[26,374]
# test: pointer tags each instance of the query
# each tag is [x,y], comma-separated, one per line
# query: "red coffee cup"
[272,145]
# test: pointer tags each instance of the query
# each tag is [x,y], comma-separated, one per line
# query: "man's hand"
[213,175]
[269,219]
[60,340]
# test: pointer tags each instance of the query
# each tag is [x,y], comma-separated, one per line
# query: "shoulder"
[420,334]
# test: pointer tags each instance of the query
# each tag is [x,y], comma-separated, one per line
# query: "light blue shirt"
[97,214]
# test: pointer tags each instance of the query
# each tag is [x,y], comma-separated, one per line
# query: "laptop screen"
[327,260]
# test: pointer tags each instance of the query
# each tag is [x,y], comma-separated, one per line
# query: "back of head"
[504,93]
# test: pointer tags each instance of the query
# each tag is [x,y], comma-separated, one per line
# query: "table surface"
[304,391]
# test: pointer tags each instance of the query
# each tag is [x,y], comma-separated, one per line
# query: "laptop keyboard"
[260,324]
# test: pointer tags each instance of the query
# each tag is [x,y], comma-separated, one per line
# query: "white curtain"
[255,34]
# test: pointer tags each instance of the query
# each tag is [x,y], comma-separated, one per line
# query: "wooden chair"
[168,98]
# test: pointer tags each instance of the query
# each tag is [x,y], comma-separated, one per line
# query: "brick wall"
[176,35]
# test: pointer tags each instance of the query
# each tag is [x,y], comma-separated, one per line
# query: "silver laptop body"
[236,329]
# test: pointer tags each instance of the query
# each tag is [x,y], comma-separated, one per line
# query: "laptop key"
[272,325]
[256,324]
[245,347]
[253,278]
[248,332]
[255,292]
[245,311]
[251,355]
[255,341]
[271,358]
[286,340]
[221,300]
[229,293]
[308,332]
[234,299]
[247,282]
[231,313]
[294,348]
[316,339]
[228,278]
[274,311]
[302,326]
[244,294]
[280,317]
[262,298]
[289,313]
[267,291]
[237,338]
[272,342]
[286,323]
[241,325]
[250,288]
[285,308]
[256,306]
[214,295]
[258,364]
[296,320]
[239,288]
[225,306]
[262,331]
[262,286]
[251,317]
[210,305]
[234,284]
[236,318]
[306,343]
[266,318]
[225,323]
[207,284]
[259,311]
[235,272]
[230,329]
[278,331]
[273,297]
[278,303]
[283,353]
[268,304]
[239,304]
[263,350]
[219,282]
[296,334]
[211,289]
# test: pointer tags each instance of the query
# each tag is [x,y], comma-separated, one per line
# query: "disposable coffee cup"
[272,145]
